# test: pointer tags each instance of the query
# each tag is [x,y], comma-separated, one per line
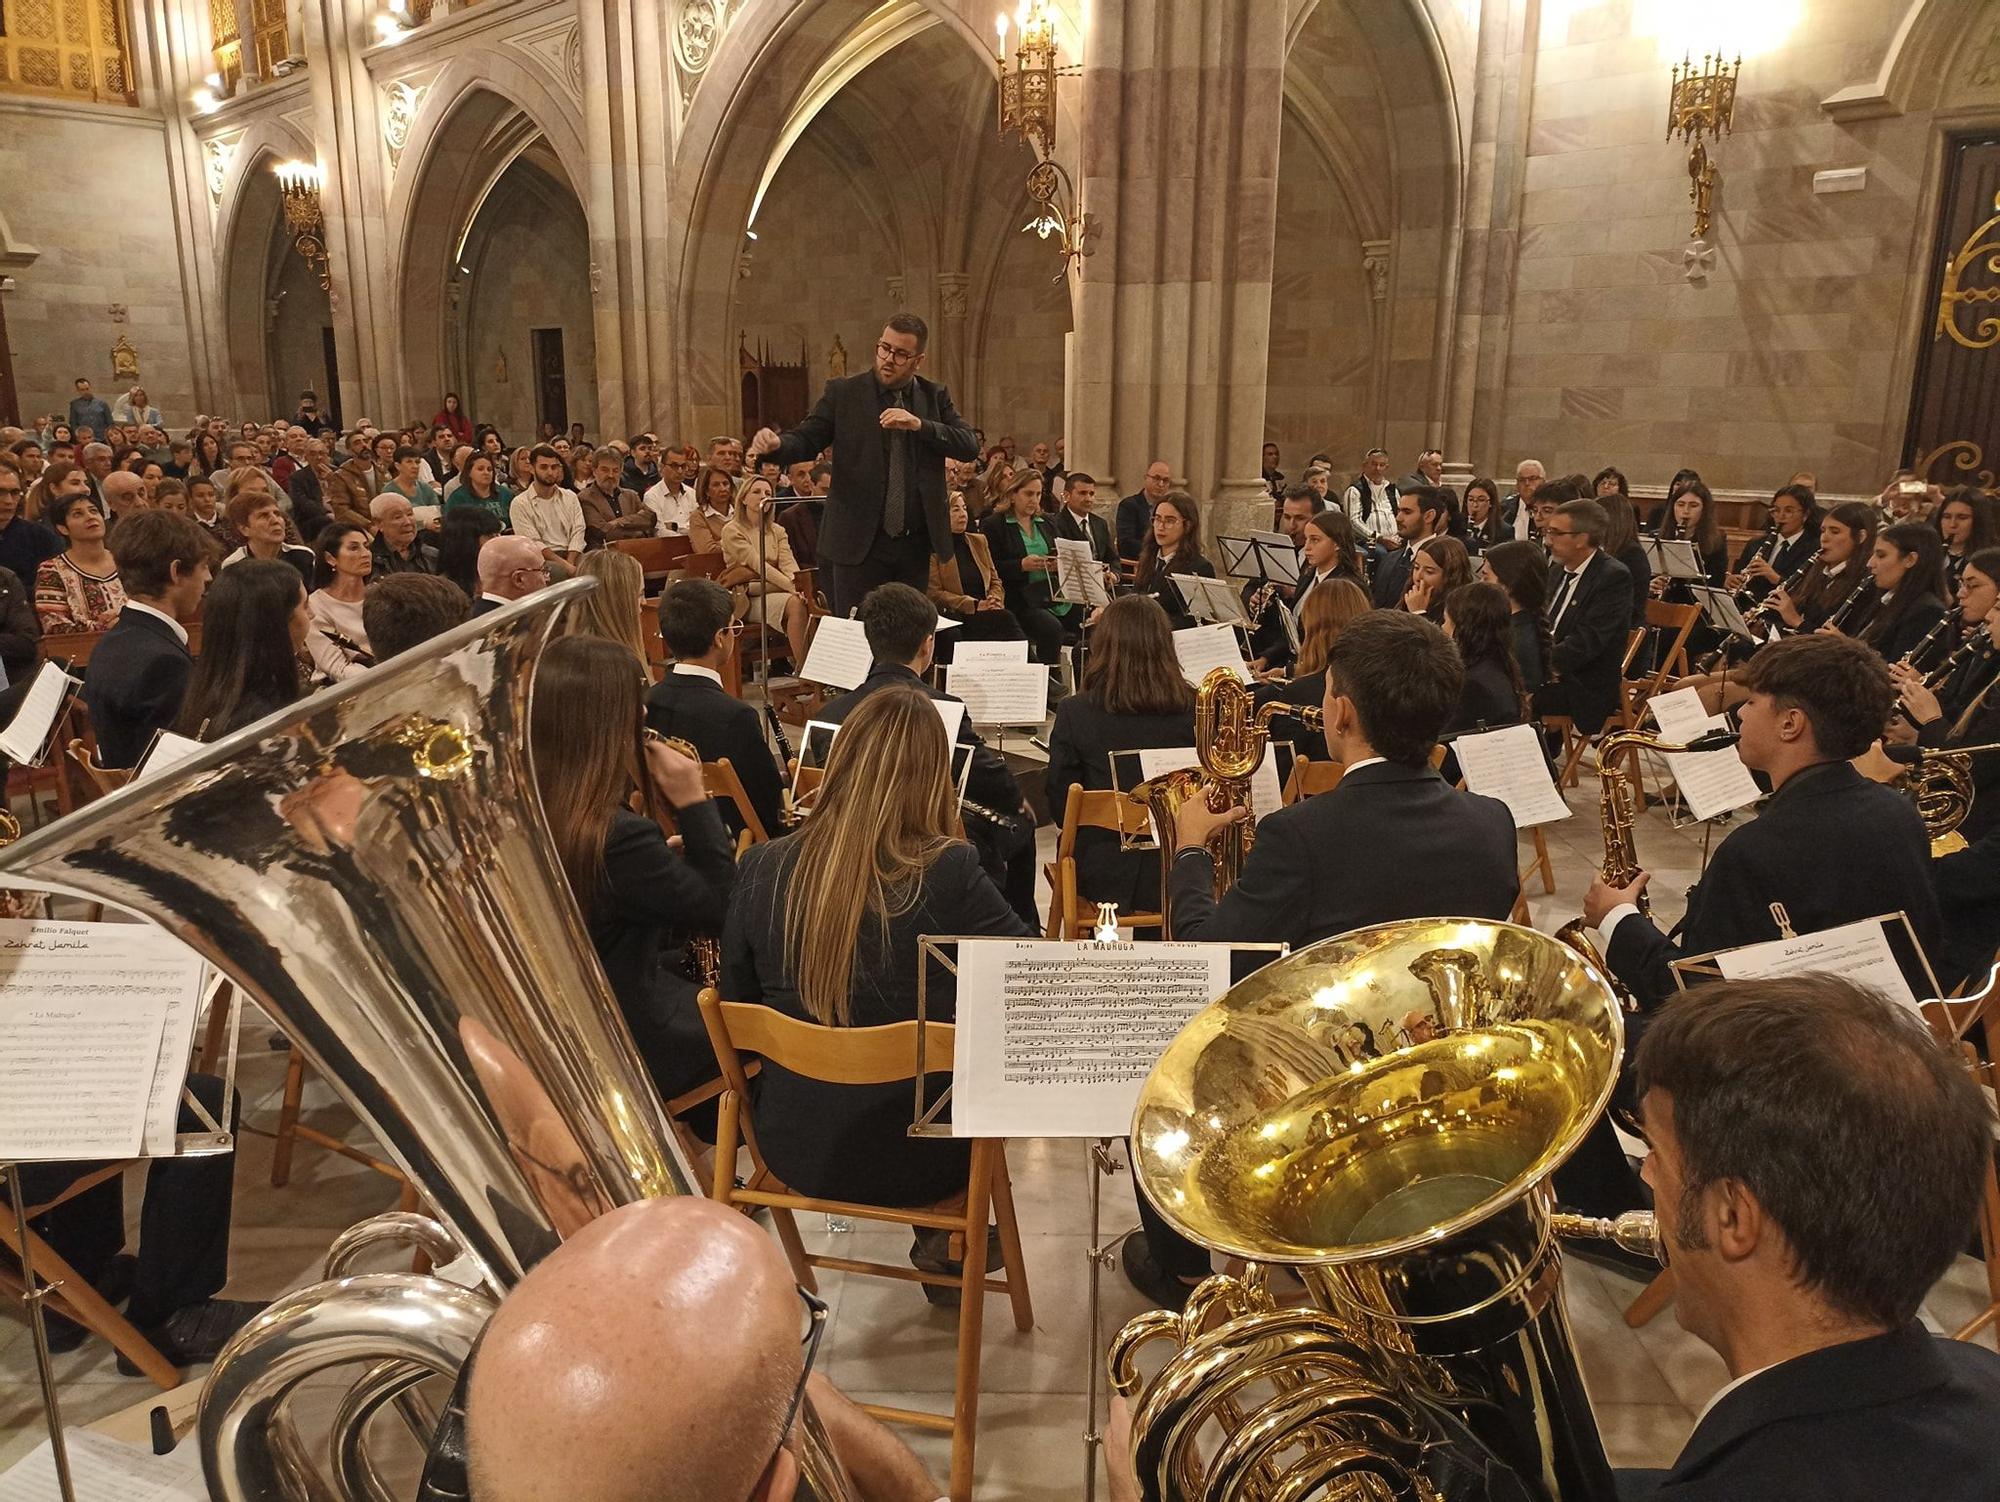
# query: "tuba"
[371,866]
[1380,1112]
[1229,740]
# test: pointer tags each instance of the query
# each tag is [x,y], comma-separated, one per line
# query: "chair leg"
[1542,860]
[217,1035]
[795,1248]
[971,1316]
[1010,1242]
[1652,1299]
[288,1120]
[90,1310]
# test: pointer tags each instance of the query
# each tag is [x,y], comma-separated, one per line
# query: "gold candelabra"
[1700,108]
[298,188]
[1028,109]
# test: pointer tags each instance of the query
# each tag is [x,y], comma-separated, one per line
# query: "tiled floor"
[885,1343]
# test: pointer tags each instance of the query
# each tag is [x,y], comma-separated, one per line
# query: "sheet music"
[168,750]
[1266,793]
[1277,556]
[26,738]
[1859,952]
[1201,649]
[1211,600]
[967,653]
[952,712]
[1055,1039]
[1720,610]
[103,1469]
[1510,765]
[1003,693]
[1675,557]
[1711,782]
[1079,576]
[839,655]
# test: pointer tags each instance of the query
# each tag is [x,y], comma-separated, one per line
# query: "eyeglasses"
[815,1330]
[1553,531]
[893,355]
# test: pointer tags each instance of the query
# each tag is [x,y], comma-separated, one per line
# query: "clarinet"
[1838,620]
[778,730]
[1768,605]
[1979,641]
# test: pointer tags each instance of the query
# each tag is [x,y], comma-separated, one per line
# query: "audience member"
[611,512]
[466,529]
[255,517]
[510,569]
[339,646]
[759,569]
[79,589]
[25,545]
[398,547]
[1135,511]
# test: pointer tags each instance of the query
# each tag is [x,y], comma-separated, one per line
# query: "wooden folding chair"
[291,1131]
[1312,777]
[1103,809]
[874,1056]
[1956,1021]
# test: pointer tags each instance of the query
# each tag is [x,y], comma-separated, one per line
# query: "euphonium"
[1381,1112]
[1229,741]
[373,869]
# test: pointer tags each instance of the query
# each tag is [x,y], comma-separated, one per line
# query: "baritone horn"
[1230,737]
[372,867]
[1380,1112]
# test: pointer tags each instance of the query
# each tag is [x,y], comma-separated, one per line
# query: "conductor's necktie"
[893,495]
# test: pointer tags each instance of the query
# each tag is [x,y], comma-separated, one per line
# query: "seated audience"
[699,631]
[968,586]
[759,569]
[479,485]
[79,588]
[1589,618]
[641,898]
[257,519]
[510,568]
[1172,546]
[1022,542]
[25,545]
[407,610]
[339,644]
[465,531]
[139,673]
[715,505]
[611,512]
[398,546]
[564,1399]
[254,624]
[547,512]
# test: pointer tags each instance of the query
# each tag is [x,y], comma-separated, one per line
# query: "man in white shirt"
[671,500]
[1370,502]
[547,513]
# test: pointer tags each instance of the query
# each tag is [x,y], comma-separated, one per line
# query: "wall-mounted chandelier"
[1028,110]
[298,188]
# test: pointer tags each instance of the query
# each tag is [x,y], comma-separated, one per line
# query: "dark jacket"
[1968,892]
[1392,579]
[1640,574]
[1528,650]
[308,502]
[1090,528]
[852,1142]
[1488,699]
[1589,649]
[1907,1414]
[1024,590]
[1080,747]
[849,417]
[1830,845]
[649,899]
[20,629]
[1437,852]
[1895,641]
[1159,583]
[134,685]
[25,546]
[1787,558]
[700,711]
[421,559]
[1135,518]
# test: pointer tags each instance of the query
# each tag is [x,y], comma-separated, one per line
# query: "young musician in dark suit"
[1590,611]
[1767,561]
[1270,646]
[698,630]
[901,625]
[1816,1160]
[1962,709]
[139,672]
[1907,565]
[1172,546]
[1477,619]
[891,431]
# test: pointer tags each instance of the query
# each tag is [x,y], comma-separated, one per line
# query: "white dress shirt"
[672,507]
[696,670]
[1370,509]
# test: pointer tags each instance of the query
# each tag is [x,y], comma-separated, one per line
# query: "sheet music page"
[1267,794]
[27,734]
[1858,951]
[1079,576]
[1711,782]
[82,1037]
[1201,649]
[1239,558]
[1720,610]
[1211,600]
[168,750]
[839,655]
[969,653]
[1509,765]
[1003,693]
[952,712]
[103,1469]
[1279,557]
[1055,1038]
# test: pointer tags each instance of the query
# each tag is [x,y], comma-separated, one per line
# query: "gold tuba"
[372,868]
[1380,1112]
[1229,740]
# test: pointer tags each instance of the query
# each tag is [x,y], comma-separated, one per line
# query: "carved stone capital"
[1375,262]
[952,289]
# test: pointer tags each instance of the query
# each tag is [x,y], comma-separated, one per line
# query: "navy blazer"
[1080,746]
[1902,1415]
[134,685]
[1388,842]
[848,416]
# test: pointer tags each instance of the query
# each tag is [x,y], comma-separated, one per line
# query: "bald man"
[124,493]
[510,568]
[569,1399]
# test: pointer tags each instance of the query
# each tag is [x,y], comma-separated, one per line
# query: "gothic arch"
[272,336]
[1922,60]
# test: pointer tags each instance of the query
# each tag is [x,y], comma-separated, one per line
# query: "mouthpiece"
[1713,740]
[1904,756]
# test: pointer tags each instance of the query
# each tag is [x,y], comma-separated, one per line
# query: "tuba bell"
[372,867]
[1380,1112]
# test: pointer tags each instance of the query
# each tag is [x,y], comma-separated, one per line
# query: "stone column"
[949,363]
[1179,166]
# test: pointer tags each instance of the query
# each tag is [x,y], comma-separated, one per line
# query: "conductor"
[891,431]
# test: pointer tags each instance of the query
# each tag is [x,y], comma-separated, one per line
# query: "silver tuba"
[372,867]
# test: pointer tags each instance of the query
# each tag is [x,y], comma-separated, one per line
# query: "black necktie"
[1567,588]
[898,479]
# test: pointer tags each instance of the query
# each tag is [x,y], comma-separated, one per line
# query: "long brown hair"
[611,610]
[884,814]
[1133,668]
[1189,510]
[1328,609]
[586,742]
[1482,626]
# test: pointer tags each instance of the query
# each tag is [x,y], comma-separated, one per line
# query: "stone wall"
[1017,356]
[86,186]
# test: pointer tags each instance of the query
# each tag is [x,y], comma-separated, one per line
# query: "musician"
[891,430]
[1022,542]
[1438,565]
[1172,546]
[1782,551]
[1907,565]
[1621,541]
[1829,845]
[137,676]
[565,1397]
[1834,586]
[1418,514]
[1589,618]
[1953,710]
[901,627]
[1520,569]
[1483,527]
[1968,890]
[824,927]
[1270,647]
[1331,552]
[1134,697]
[1393,683]
[699,632]
[1478,619]
[1965,522]
[1816,1160]
[253,635]
[1327,611]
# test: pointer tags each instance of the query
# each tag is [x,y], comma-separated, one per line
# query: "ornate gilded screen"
[75,49]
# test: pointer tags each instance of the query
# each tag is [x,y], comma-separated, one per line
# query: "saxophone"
[702,956]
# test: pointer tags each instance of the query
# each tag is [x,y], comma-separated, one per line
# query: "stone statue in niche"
[836,360]
[124,360]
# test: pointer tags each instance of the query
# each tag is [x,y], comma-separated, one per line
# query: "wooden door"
[551,386]
[1955,404]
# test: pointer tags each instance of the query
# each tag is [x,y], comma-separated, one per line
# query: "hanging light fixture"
[1028,110]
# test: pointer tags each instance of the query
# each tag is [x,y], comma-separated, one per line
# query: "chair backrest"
[657,660]
[722,782]
[703,565]
[1311,777]
[835,1055]
[658,556]
[1679,621]
[1100,809]
[102,780]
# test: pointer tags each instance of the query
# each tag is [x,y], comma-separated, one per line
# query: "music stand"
[1693,970]
[1675,557]
[1720,610]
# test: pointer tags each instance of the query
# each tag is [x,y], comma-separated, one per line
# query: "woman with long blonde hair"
[824,927]
[760,570]
[611,611]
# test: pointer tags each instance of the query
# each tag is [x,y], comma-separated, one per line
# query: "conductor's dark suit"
[699,710]
[134,685]
[1453,857]
[1907,1414]
[1589,651]
[852,542]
